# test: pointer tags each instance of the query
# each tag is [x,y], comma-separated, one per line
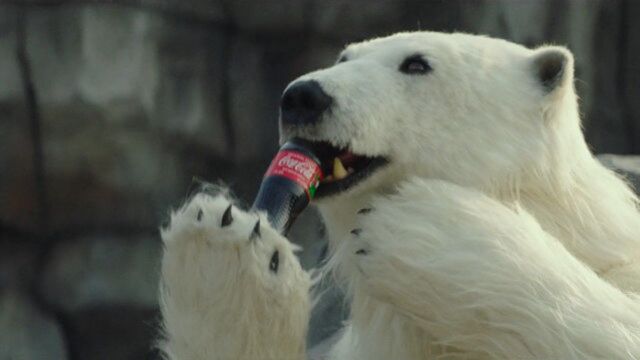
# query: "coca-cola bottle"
[289,184]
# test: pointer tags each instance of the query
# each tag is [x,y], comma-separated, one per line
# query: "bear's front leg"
[484,279]
[232,287]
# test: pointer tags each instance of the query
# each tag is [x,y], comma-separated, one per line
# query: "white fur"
[495,233]
[478,280]
[219,300]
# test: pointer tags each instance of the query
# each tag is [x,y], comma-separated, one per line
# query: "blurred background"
[110,109]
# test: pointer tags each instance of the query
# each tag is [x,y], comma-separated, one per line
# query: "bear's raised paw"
[227,274]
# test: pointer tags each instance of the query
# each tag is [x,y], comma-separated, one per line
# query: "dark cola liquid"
[289,184]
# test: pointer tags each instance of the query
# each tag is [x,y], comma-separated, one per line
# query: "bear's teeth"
[339,171]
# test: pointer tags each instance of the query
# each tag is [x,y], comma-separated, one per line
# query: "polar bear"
[467,218]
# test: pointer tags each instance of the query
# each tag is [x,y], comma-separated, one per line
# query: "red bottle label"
[297,167]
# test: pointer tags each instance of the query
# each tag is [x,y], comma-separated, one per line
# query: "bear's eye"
[275,262]
[342,59]
[415,64]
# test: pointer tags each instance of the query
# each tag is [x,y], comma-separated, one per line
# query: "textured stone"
[205,10]
[131,63]
[9,75]
[606,126]
[18,203]
[269,16]
[524,22]
[99,174]
[254,114]
[444,15]
[26,332]
[188,99]
[118,60]
[53,43]
[18,263]
[131,111]
[102,270]
[629,75]
[317,54]
[114,332]
[137,99]
[18,195]
[356,19]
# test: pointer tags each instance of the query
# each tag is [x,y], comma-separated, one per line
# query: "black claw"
[226,217]
[199,216]
[364,210]
[256,231]
[362,252]
[356,232]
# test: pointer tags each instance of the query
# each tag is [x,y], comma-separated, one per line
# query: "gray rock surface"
[137,98]
[630,76]
[89,272]
[12,84]
[355,19]
[101,174]
[188,101]
[26,332]
[114,332]
[255,119]
[269,16]
[18,203]
[18,263]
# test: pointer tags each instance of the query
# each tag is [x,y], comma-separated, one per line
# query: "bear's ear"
[553,67]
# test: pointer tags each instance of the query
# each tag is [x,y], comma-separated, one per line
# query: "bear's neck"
[594,214]
[577,200]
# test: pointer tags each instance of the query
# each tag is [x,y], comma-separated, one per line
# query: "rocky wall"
[110,111]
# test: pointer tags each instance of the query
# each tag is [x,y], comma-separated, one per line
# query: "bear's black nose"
[303,103]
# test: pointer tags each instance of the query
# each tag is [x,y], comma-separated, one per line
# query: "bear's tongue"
[348,158]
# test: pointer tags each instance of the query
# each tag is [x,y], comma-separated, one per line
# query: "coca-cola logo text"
[303,167]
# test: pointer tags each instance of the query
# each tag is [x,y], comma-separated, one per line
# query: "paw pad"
[364,211]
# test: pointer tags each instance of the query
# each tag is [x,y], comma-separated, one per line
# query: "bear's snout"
[303,103]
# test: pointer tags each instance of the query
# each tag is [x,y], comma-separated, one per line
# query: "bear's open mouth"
[342,168]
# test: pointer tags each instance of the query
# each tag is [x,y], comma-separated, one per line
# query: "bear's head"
[469,109]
